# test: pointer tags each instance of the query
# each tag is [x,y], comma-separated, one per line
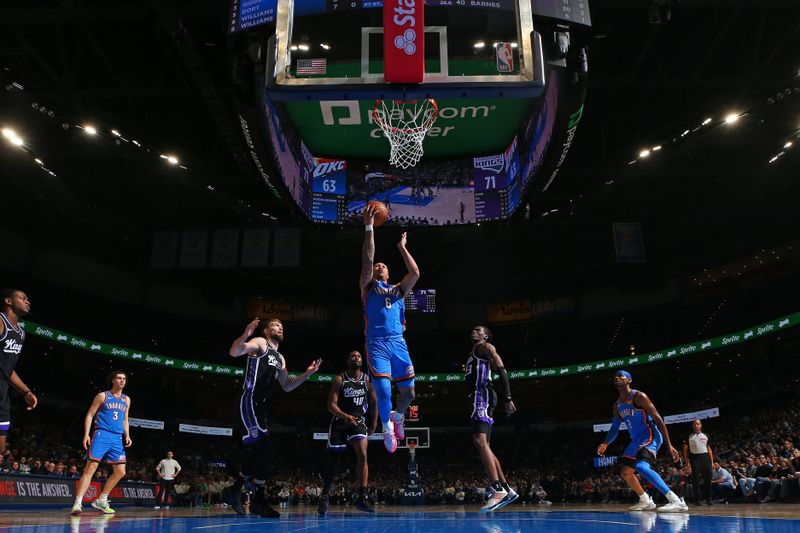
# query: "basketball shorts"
[482,405]
[107,447]
[341,433]
[253,413]
[5,406]
[643,448]
[388,357]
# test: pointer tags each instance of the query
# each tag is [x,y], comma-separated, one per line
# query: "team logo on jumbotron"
[495,163]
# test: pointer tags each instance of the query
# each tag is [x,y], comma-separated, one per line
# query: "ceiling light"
[39,161]
[479,44]
[172,159]
[644,153]
[514,45]
[731,118]
[656,148]
[9,133]
[325,46]
[16,141]
[706,121]
[293,48]
[90,130]
[115,132]
[788,144]
[303,47]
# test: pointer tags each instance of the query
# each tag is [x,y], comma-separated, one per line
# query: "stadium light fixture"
[731,118]
[90,130]
[644,153]
[706,121]
[479,44]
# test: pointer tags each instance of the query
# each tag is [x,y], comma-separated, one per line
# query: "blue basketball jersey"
[384,310]
[111,415]
[640,424]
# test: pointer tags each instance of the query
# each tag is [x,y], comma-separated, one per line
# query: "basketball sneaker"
[76,510]
[233,499]
[322,508]
[389,437]
[399,425]
[495,499]
[647,505]
[262,509]
[674,507]
[510,497]
[103,506]
[362,504]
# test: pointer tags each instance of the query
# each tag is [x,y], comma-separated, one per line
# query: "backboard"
[468,45]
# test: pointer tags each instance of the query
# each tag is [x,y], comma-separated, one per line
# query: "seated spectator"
[722,484]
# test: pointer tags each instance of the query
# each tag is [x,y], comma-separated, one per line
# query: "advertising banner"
[41,489]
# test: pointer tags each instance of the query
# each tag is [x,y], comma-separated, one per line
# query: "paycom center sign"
[346,128]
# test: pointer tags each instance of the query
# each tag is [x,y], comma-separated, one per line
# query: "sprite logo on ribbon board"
[347,129]
[752,333]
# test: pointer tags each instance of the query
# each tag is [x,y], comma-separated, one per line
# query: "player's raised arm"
[242,345]
[643,402]
[288,384]
[367,251]
[410,279]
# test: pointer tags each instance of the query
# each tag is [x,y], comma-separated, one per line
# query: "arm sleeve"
[614,431]
[504,380]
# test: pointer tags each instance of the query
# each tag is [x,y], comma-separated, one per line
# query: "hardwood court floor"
[774,518]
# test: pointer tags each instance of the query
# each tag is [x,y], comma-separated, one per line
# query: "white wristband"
[367,227]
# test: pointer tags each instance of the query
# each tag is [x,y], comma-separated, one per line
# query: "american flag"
[312,66]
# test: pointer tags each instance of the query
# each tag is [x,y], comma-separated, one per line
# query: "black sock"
[496,485]
[505,486]
[362,492]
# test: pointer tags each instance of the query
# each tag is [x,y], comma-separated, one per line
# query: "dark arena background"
[607,185]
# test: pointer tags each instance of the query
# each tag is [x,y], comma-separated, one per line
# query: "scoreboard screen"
[421,301]
[576,11]
[326,207]
[490,205]
[246,14]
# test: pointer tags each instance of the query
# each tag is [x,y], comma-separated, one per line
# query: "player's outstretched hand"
[674,453]
[510,408]
[369,215]
[128,442]
[87,441]
[403,240]
[601,449]
[31,400]
[314,366]
[251,328]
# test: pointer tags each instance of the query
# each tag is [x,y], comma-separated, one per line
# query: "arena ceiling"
[159,72]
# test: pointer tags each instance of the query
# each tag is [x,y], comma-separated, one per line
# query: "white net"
[405,124]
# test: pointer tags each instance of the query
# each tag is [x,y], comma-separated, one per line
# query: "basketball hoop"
[405,123]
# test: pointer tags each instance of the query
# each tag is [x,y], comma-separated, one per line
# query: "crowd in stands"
[757,456]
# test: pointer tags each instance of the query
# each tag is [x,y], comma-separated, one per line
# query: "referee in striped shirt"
[699,456]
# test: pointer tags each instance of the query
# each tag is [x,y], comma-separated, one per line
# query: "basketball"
[381,212]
